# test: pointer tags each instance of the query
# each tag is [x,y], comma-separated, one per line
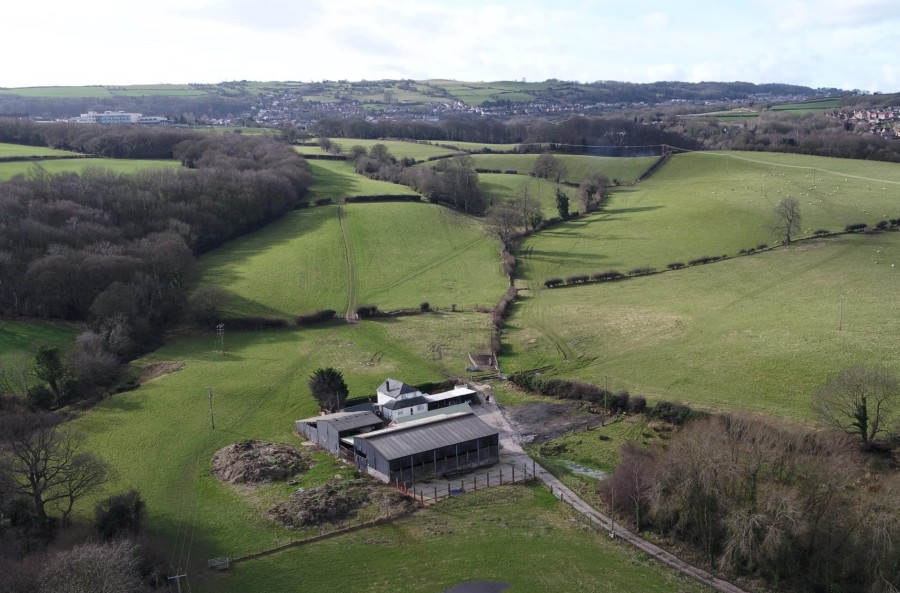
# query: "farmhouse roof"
[346,420]
[398,404]
[394,388]
[425,435]
[457,409]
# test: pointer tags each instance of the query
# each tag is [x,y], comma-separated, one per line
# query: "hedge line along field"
[625,169]
[21,150]
[712,204]
[54,166]
[259,390]
[401,254]
[758,333]
[337,179]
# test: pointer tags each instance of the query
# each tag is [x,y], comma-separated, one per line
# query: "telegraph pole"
[220,338]
[841,316]
[212,417]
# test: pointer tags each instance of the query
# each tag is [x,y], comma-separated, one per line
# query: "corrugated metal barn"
[327,431]
[419,449]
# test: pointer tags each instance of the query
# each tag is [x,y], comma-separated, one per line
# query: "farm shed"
[419,449]
[396,399]
[328,430]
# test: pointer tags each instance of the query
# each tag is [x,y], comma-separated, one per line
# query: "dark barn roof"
[411,438]
[347,420]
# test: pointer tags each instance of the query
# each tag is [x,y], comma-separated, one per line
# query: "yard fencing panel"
[436,490]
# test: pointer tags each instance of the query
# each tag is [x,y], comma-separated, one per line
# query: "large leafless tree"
[862,401]
[46,463]
[787,219]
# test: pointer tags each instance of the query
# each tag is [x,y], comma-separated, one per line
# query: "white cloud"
[656,20]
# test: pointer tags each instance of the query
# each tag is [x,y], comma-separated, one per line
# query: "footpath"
[511,448]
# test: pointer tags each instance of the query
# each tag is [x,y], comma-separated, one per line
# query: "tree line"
[116,251]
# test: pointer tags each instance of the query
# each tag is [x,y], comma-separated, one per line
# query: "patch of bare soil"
[549,421]
[253,462]
[338,501]
[158,369]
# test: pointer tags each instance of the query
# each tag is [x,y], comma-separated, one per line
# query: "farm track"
[352,278]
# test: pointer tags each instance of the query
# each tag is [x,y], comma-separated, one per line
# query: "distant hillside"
[271,103]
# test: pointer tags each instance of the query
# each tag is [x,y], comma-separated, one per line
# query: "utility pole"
[220,338]
[212,417]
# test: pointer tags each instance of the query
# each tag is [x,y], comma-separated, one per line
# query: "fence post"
[435,494]
[489,480]
[475,482]
[514,474]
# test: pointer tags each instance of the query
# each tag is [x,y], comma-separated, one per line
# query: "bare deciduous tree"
[861,401]
[93,568]
[46,463]
[787,219]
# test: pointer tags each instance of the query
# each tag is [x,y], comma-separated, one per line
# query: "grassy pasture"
[10,169]
[625,169]
[501,189]
[338,179]
[63,92]
[20,339]
[21,150]
[814,104]
[259,388]
[401,255]
[479,146]
[399,148]
[517,534]
[758,333]
[712,204]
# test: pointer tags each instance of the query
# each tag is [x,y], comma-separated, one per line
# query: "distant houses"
[407,435]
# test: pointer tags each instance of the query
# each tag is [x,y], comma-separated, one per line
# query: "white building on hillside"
[396,399]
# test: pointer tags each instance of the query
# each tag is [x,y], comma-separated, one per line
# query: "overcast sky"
[850,44]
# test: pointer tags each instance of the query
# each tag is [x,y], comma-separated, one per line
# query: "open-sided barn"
[328,430]
[418,449]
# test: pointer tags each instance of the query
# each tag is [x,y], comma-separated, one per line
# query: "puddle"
[577,468]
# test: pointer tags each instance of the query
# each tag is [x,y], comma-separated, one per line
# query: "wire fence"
[435,490]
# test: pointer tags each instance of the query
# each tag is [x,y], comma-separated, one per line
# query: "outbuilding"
[328,431]
[418,449]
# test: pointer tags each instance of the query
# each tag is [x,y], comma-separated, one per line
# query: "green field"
[814,104]
[758,333]
[710,204]
[20,339]
[337,179]
[625,169]
[503,189]
[479,146]
[21,150]
[99,92]
[259,389]
[10,169]
[401,255]
[400,149]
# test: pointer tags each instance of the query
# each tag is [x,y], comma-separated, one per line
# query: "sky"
[847,44]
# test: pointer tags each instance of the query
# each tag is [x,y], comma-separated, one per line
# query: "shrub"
[553,282]
[761,246]
[129,385]
[314,318]
[641,271]
[675,265]
[674,413]
[821,232]
[511,172]
[39,397]
[700,260]
[620,401]
[742,252]
[424,307]
[638,404]
[579,279]
[882,224]
[323,201]
[608,275]
[366,311]
[857,226]
[121,513]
